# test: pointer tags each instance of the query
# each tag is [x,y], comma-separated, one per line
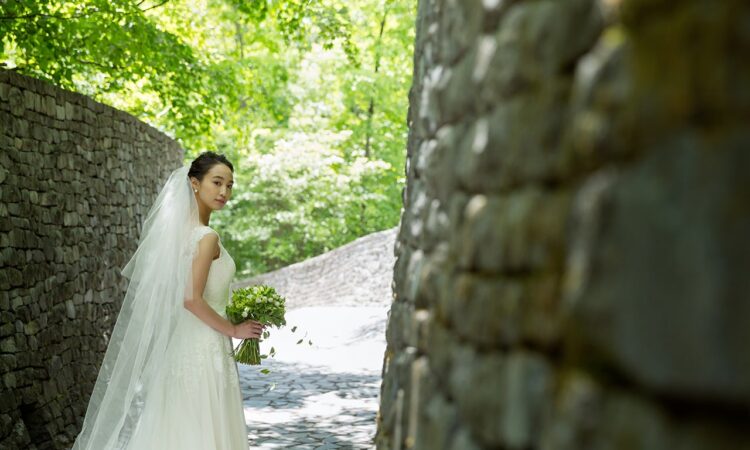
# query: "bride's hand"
[247,329]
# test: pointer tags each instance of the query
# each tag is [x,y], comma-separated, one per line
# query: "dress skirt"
[196,403]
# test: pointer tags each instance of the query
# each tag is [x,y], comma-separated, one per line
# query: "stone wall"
[358,273]
[573,252]
[76,180]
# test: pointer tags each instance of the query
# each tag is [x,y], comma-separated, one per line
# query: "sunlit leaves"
[100,47]
[307,97]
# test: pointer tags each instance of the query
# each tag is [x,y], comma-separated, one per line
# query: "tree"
[309,97]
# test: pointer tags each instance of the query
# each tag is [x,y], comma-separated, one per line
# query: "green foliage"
[303,198]
[298,20]
[110,46]
[307,97]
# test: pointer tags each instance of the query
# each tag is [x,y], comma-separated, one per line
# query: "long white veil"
[160,274]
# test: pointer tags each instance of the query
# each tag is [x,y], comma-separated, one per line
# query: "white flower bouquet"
[261,303]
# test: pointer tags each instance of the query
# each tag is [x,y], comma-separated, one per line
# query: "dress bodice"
[220,274]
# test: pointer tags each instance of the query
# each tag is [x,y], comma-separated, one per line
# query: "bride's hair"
[203,163]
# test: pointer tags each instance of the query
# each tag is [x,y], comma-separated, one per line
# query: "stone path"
[319,396]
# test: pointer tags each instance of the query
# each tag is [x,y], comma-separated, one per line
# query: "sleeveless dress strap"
[198,234]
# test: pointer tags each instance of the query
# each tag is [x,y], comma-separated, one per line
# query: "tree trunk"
[371,108]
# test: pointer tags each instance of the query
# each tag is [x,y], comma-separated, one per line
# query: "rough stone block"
[501,398]
[16,101]
[587,414]
[657,275]
[520,232]
[438,418]
[486,310]
[602,126]
[535,42]
[399,331]
[29,99]
[8,345]
[516,142]
[435,162]
[459,23]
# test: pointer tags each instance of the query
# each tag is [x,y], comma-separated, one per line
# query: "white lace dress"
[198,406]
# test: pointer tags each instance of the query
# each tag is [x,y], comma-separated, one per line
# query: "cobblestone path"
[319,396]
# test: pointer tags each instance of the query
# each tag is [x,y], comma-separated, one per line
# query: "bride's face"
[216,188]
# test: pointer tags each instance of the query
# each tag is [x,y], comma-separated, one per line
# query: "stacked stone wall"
[573,252]
[76,180]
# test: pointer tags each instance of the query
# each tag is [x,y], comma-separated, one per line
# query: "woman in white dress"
[168,379]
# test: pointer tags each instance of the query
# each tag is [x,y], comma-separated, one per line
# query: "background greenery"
[308,99]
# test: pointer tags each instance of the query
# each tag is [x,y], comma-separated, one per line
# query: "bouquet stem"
[248,352]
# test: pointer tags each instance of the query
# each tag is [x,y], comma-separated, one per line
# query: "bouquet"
[261,303]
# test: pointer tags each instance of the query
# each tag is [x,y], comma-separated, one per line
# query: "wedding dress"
[197,405]
[168,380]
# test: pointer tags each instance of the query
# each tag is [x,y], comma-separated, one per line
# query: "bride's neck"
[204,214]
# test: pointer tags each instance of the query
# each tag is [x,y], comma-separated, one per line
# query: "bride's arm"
[207,247]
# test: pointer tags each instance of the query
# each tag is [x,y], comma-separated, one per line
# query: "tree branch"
[76,16]
[371,108]
[100,65]
[46,16]
[154,6]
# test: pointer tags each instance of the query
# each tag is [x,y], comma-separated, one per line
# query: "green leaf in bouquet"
[265,371]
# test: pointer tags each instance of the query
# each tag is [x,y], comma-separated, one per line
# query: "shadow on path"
[320,396]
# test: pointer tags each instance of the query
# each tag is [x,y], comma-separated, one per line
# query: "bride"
[168,379]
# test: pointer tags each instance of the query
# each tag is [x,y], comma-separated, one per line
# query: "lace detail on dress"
[198,234]
[207,350]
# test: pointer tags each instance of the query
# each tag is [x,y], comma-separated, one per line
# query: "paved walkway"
[319,396]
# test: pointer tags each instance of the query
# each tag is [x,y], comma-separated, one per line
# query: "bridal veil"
[160,279]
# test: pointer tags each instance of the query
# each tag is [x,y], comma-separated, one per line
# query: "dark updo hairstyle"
[203,163]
